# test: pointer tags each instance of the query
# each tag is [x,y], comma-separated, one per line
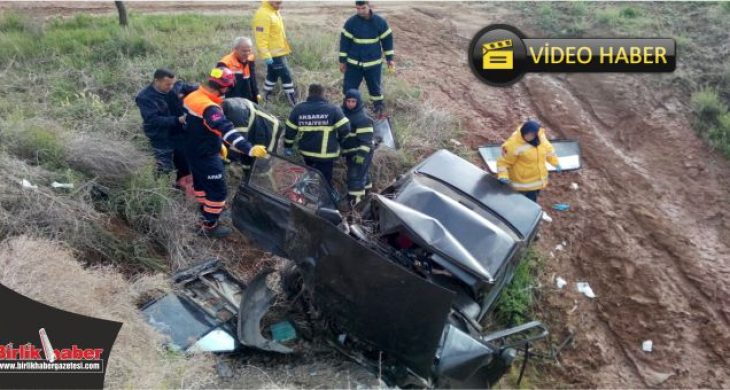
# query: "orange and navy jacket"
[207,126]
[245,76]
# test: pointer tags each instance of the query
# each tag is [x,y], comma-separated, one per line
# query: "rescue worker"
[273,47]
[160,104]
[523,159]
[258,127]
[241,62]
[323,128]
[207,128]
[365,38]
[358,146]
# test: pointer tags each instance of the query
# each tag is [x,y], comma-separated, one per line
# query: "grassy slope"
[67,110]
[701,33]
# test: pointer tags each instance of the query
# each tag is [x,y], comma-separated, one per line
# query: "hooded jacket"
[360,139]
[524,163]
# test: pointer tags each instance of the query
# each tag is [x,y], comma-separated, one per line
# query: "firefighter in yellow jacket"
[523,160]
[273,47]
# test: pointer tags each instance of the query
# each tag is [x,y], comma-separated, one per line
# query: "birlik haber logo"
[28,358]
[500,55]
[42,347]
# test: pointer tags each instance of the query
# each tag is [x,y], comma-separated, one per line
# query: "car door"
[261,205]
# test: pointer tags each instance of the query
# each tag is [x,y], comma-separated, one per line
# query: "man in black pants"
[160,104]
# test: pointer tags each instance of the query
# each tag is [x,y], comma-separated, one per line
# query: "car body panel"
[374,299]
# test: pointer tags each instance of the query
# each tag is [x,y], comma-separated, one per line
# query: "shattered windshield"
[291,182]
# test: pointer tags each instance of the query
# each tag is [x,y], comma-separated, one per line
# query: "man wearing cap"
[365,38]
[524,154]
[208,128]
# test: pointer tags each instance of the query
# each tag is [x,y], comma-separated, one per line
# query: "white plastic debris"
[455,142]
[56,184]
[574,186]
[560,282]
[585,289]
[26,184]
[647,345]
[546,217]
[559,247]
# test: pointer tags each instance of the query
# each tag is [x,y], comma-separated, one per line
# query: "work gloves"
[269,61]
[504,181]
[258,151]
[558,169]
[224,153]
[288,152]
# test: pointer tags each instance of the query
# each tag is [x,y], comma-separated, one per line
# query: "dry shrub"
[426,129]
[138,360]
[111,162]
[387,165]
[66,216]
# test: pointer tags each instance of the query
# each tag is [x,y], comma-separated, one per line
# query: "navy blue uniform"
[363,42]
[160,113]
[258,127]
[323,128]
[358,147]
[207,129]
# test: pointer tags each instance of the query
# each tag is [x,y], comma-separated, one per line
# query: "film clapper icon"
[498,55]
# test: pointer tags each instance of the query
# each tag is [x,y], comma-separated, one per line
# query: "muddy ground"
[648,228]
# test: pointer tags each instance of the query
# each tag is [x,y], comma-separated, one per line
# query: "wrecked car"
[400,284]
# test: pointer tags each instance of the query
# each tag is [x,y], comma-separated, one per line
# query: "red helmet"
[222,77]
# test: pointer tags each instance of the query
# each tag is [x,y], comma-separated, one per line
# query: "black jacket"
[261,129]
[322,127]
[360,139]
[160,110]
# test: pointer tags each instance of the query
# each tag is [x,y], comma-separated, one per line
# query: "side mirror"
[331,215]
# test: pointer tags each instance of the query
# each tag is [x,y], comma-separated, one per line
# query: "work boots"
[379,109]
[292,98]
[215,231]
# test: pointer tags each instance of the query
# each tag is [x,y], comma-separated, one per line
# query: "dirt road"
[649,225]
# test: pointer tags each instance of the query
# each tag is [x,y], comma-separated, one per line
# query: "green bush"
[725,6]
[713,119]
[142,200]
[515,303]
[316,51]
[707,105]
[35,143]
[629,13]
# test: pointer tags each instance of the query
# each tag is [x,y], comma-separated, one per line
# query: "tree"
[122,9]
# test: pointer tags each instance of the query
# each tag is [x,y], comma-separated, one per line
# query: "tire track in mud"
[635,235]
[668,301]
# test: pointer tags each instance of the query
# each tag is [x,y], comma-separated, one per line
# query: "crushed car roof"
[458,212]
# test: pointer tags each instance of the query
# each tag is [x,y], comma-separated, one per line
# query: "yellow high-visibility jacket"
[524,164]
[268,30]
